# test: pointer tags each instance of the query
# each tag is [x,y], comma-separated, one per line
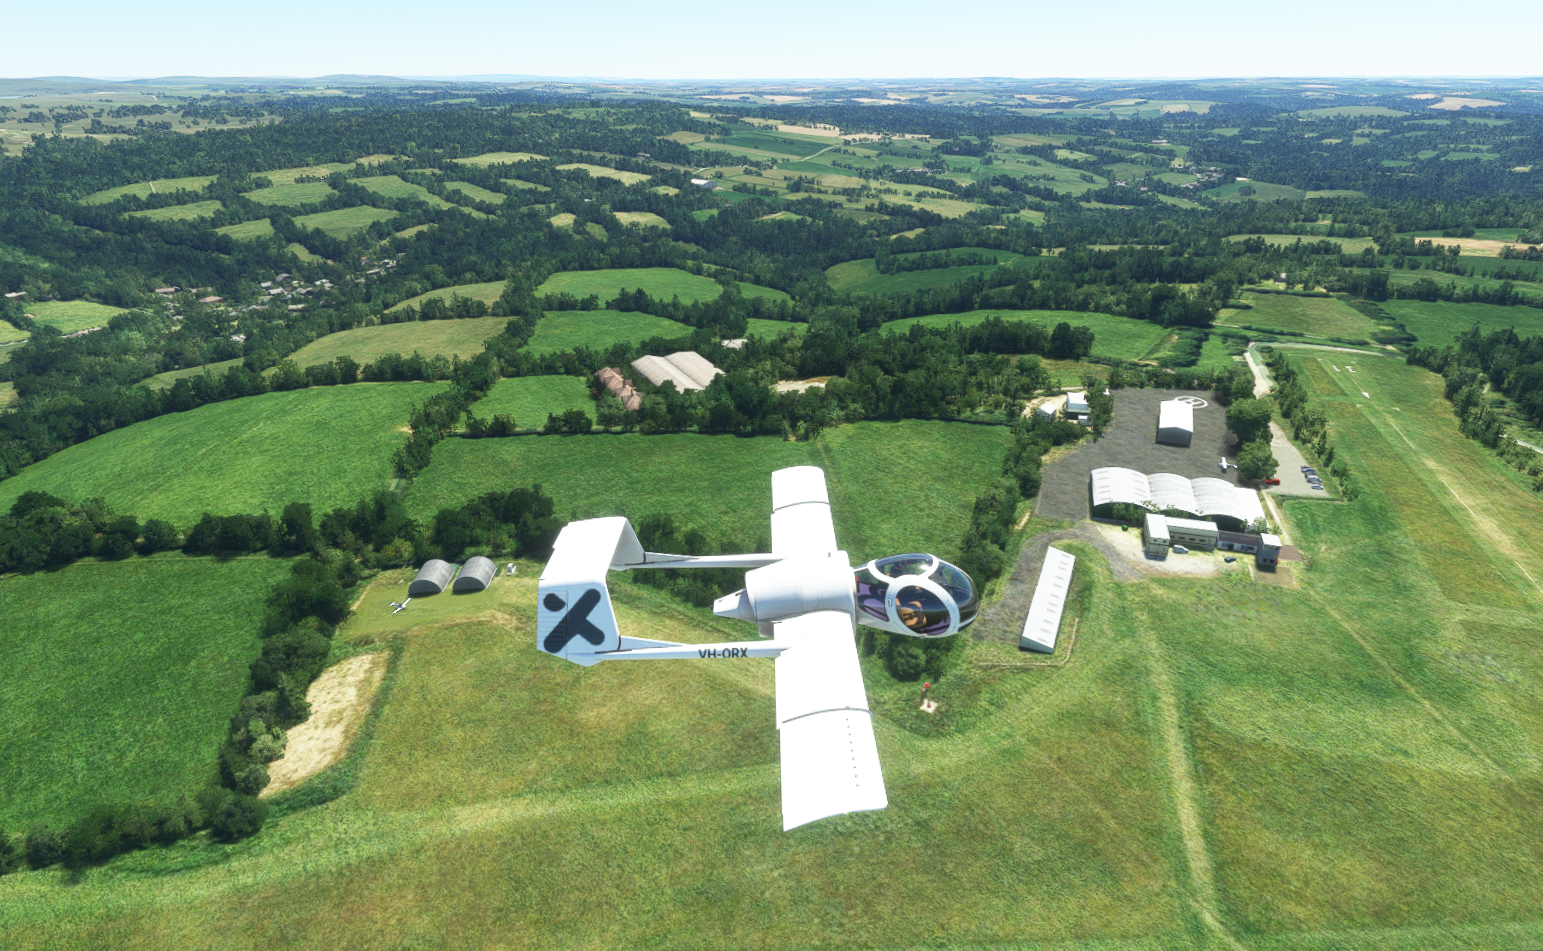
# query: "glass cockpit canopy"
[919,609]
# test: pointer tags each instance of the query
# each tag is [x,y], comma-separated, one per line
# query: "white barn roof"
[695,367]
[1044,620]
[688,370]
[1077,402]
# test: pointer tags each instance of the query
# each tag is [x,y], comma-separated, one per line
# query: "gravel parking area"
[1131,441]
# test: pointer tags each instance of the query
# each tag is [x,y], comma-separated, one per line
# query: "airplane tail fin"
[574,616]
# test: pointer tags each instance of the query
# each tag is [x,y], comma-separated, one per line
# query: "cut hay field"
[660,282]
[487,293]
[1119,337]
[1263,191]
[328,446]
[641,219]
[499,158]
[192,211]
[530,398]
[431,338]
[247,230]
[931,473]
[161,186]
[288,196]
[1352,110]
[602,171]
[599,329]
[345,221]
[287,176]
[1319,316]
[773,328]
[1437,323]
[121,679]
[69,316]
[10,333]
[1346,245]
[862,276]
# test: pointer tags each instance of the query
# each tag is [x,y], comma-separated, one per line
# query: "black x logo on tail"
[575,623]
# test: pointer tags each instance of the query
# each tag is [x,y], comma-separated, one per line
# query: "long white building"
[1043,624]
[1201,498]
[1175,423]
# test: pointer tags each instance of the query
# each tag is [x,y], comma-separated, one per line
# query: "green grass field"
[1437,323]
[477,193]
[390,186]
[161,186]
[660,282]
[1263,191]
[598,329]
[165,381]
[345,221]
[192,211]
[1119,337]
[721,483]
[487,293]
[524,185]
[7,393]
[248,230]
[1340,111]
[499,158]
[121,679]
[862,276]
[287,176]
[530,398]
[9,333]
[774,328]
[288,196]
[602,171]
[641,219]
[431,338]
[72,315]
[328,446]
[1346,245]
[1222,763]
[1319,316]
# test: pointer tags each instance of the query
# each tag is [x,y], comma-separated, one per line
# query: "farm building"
[1049,409]
[1263,546]
[1175,423]
[431,578]
[611,379]
[1076,404]
[475,575]
[1205,497]
[1043,624]
[1154,535]
[688,370]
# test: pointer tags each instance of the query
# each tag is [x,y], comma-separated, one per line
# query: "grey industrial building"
[475,575]
[431,579]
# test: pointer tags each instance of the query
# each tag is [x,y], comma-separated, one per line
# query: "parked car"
[1272,482]
[1318,486]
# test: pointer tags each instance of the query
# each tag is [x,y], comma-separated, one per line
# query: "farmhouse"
[611,379]
[1049,409]
[1044,621]
[1076,404]
[1204,497]
[1175,422]
[1263,546]
[431,578]
[475,575]
[688,370]
[211,299]
[163,291]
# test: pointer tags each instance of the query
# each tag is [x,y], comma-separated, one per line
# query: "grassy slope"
[286,196]
[163,186]
[1321,316]
[72,315]
[931,472]
[487,293]
[566,329]
[122,676]
[1119,337]
[862,276]
[428,337]
[1437,323]
[344,221]
[529,399]
[164,381]
[188,212]
[659,282]
[247,230]
[328,446]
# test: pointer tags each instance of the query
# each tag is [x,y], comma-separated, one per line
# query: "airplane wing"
[830,762]
[800,520]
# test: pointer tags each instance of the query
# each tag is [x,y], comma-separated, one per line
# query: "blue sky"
[788,39]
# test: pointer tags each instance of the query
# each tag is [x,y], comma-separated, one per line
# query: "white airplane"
[804,597]
[1225,465]
[401,607]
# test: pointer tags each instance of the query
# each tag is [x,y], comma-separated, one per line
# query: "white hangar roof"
[1202,496]
[1173,414]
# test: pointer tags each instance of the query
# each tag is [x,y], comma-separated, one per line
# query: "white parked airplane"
[805,597]
[1225,465]
[401,607]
